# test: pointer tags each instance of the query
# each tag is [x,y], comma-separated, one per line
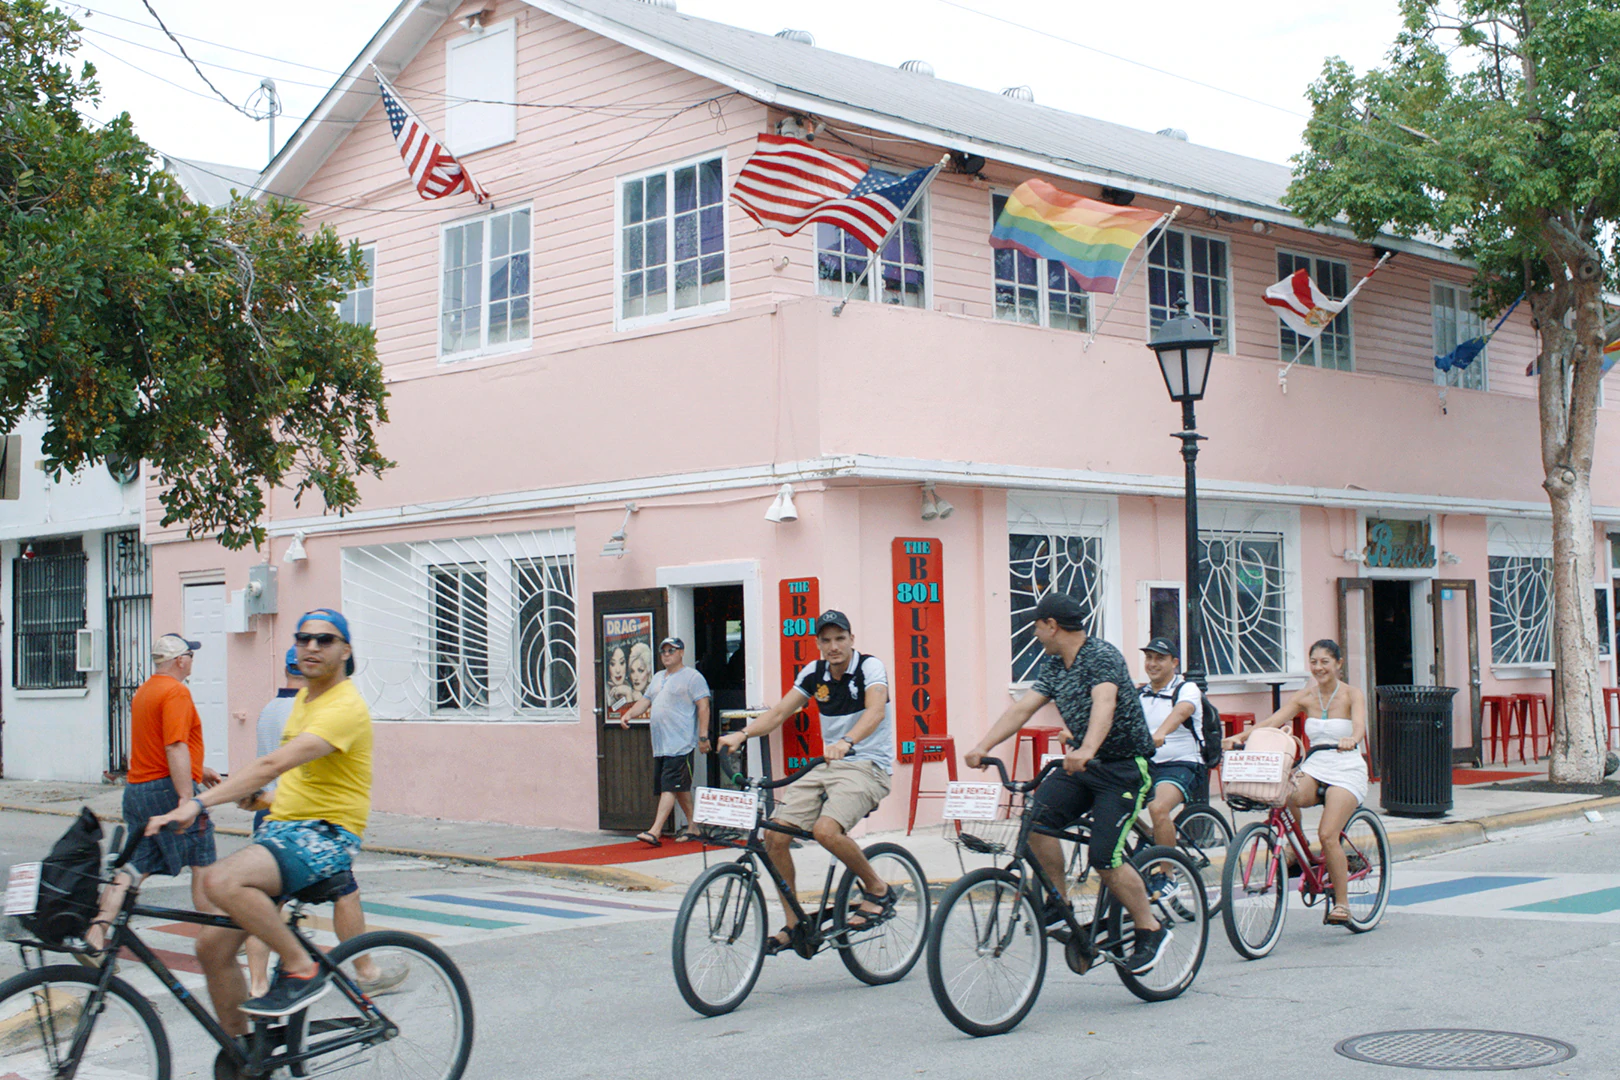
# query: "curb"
[1451,835]
[611,876]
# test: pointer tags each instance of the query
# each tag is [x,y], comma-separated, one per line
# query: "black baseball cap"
[833,618]
[1063,609]
[672,642]
[1164,646]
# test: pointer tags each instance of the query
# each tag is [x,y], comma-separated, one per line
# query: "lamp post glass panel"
[1184,347]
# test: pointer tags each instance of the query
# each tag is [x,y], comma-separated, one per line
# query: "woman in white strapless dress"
[1335,724]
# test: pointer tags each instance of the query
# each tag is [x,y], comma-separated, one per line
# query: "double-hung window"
[356,306]
[1456,321]
[484,302]
[1183,264]
[1331,349]
[48,609]
[1038,292]
[672,242]
[901,273]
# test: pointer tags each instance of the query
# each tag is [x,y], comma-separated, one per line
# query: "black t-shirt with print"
[1070,688]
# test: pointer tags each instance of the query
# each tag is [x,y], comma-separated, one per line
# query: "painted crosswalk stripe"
[1446,890]
[507,905]
[584,901]
[1598,902]
[446,918]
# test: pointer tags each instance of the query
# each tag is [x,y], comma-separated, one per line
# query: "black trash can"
[1414,749]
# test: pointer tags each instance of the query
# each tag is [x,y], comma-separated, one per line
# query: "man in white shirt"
[1173,708]
[678,700]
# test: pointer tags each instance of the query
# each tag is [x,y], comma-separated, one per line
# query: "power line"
[153,12]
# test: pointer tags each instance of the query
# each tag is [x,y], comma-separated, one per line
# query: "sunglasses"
[669,648]
[320,640]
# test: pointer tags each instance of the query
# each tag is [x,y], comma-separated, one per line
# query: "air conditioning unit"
[87,650]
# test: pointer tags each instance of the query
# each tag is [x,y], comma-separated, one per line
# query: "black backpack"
[69,883]
[1208,733]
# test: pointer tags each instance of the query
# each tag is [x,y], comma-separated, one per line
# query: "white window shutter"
[483,67]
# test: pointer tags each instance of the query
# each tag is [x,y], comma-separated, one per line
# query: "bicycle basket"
[70,883]
[983,837]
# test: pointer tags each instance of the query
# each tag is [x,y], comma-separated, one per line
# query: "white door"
[205,623]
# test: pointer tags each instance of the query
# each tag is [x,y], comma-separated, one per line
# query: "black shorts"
[1191,777]
[1111,791]
[672,773]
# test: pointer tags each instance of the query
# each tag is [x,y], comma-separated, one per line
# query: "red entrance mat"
[609,854]
[1485,776]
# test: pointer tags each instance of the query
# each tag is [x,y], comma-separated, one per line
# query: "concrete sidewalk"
[1477,813]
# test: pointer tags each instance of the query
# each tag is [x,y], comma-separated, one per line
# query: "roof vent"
[1019,93]
[1172,133]
[803,37]
[666,4]
[918,67]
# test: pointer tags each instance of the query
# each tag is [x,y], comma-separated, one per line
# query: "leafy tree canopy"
[141,325]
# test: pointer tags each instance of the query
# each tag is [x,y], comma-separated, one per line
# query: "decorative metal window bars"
[1245,598]
[47,609]
[1040,563]
[1521,609]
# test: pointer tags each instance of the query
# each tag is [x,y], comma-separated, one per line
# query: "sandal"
[886,906]
[649,839]
[1337,915]
[775,943]
[688,837]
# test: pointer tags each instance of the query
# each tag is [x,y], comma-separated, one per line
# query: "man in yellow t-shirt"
[322,802]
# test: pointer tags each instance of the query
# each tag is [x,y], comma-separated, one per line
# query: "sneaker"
[1160,886]
[1150,946]
[387,979]
[289,994]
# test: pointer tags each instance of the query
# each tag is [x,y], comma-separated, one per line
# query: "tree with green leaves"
[1495,126]
[142,326]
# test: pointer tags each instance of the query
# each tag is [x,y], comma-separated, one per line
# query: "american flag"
[786,184]
[434,169]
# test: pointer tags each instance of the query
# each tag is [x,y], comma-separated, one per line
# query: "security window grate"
[47,610]
[1041,563]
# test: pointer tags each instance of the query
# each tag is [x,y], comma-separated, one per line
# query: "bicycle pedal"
[1079,959]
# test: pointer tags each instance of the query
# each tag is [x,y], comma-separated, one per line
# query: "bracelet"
[201,809]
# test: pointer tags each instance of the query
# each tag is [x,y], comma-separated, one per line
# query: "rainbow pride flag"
[1092,239]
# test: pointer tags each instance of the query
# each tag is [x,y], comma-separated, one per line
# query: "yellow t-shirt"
[337,787]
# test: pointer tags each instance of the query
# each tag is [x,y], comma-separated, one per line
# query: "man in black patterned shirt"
[1106,770]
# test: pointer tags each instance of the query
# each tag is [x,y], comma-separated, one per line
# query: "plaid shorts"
[167,852]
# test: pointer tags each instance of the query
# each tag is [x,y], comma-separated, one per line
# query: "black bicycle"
[411,1017]
[720,931]
[987,947]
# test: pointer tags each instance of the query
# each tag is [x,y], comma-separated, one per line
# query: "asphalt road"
[1521,934]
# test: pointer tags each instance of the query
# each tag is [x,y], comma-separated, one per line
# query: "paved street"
[574,981]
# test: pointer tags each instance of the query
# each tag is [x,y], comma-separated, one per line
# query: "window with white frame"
[1062,545]
[484,300]
[672,241]
[1332,348]
[901,272]
[472,628]
[356,306]
[1456,321]
[1247,568]
[1039,292]
[1196,267]
[1519,563]
[481,88]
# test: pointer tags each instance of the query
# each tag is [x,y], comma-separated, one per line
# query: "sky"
[1250,61]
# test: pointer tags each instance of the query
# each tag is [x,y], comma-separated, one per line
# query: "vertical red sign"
[801,603]
[919,642]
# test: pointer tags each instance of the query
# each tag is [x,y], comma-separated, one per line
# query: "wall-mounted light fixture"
[295,550]
[615,547]
[782,508]
[934,506]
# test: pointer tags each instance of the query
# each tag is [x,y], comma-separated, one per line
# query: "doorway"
[204,623]
[717,644]
[628,627]
[1392,632]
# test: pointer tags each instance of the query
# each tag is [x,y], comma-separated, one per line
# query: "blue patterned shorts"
[307,851]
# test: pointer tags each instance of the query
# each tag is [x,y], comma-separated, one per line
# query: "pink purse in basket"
[1264,769]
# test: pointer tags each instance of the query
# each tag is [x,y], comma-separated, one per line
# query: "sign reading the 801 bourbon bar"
[919,642]
[800,604]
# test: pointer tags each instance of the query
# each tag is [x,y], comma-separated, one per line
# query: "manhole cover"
[1451,1048]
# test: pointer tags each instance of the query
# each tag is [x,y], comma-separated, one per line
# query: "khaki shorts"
[845,791]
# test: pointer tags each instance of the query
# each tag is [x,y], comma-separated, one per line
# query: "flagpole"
[878,252]
[1162,223]
[1282,372]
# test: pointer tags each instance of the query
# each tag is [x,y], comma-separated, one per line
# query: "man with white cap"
[678,699]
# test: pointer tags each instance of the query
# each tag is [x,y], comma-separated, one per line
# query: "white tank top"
[1325,729]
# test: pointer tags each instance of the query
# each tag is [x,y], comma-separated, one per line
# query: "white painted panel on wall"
[481,81]
[205,623]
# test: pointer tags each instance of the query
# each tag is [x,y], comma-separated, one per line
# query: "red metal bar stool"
[1534,723]
[1040,739]
[1611,712]
[1497,712]
[941,750]
[1236,722]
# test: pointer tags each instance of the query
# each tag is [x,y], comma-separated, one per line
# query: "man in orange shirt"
[165,769]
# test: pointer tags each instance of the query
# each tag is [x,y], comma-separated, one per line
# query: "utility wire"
[153,11]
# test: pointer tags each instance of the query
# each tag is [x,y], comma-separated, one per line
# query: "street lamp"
[1184,347]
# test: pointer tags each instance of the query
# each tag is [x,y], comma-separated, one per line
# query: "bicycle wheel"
[888,951]
[419,991]
[1254,891]
[39,1015]
[1203,835]
[986,952]
[719,939]
[1366,845]
[1181,906]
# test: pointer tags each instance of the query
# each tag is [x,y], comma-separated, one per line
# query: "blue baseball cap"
[292,662]
[338,622]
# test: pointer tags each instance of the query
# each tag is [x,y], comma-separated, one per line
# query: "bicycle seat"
[326,890]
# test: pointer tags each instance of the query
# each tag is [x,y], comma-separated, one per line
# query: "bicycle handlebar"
[731,764]
[1022,787]
[131,842]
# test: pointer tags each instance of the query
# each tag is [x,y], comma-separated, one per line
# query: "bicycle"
[719,942]
[1254,883]
[987,948]
[64,1020]
[1202,834]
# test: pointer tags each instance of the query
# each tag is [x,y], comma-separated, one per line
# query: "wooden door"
[628,627]
[1437,590]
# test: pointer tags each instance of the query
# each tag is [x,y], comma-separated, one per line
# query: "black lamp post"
[1184,347]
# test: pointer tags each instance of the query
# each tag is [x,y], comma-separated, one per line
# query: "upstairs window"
[1456,321]
[901,271]
[1187,264]
[481,85]
[672,242]
[1332,349]
[1038,292]
[484,304]
[356,305]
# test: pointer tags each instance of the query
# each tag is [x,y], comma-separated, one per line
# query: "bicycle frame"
[1313,876]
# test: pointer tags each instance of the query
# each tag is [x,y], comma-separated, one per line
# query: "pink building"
[602,379]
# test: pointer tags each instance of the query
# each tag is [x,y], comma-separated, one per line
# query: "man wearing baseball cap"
[1170,705]
[851,692]
[678,700]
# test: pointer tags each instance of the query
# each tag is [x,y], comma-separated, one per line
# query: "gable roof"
[208,182]
[806,79]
